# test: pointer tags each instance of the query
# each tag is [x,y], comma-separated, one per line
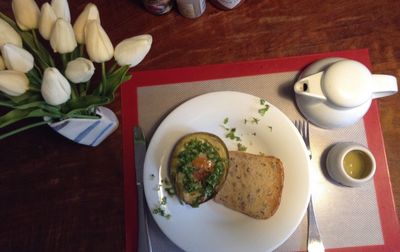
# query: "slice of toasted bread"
[253,186]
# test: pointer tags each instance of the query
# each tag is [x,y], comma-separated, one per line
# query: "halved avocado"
[198,167]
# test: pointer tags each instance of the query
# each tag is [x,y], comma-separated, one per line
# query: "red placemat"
[389,221]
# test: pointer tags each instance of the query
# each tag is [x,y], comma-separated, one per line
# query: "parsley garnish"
[241,147]
[231,135]
[168,187]
[255,120]
[160,208]
[264,108]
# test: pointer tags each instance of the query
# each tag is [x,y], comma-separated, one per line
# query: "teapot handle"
[383,85]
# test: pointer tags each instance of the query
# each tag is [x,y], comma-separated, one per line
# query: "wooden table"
[56,195]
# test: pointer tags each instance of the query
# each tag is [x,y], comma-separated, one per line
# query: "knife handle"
[144,244]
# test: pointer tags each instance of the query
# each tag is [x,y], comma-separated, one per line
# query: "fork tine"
[304,129]
[297,124]
[307,136]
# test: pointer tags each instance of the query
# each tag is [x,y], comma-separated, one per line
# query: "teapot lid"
[347,83]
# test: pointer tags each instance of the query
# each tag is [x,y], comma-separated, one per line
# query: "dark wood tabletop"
[56,195]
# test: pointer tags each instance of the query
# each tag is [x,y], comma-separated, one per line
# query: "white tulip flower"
[8,34]
[46,20]
[55,88]
[132,51]
[79,70]
[2,64]
[62,38]
[26,14]
[13,83]
[89,13]
[61,9]
[17,58]
[98,44]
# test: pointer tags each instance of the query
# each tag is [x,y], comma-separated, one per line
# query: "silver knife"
[144,243]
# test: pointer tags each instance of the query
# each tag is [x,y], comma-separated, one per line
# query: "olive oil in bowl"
[357,164]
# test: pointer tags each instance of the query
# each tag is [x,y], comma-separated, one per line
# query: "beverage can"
[191,8]
[227,4]
[158,7]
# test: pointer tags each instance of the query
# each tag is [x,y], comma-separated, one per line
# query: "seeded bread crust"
[253,185]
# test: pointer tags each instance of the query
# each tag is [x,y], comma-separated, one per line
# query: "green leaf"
[111,70]
[30,126]
[83,103]
[6,103]
[27,97]
[115,79]
[30,105]
[20,114]
[56,110]
[35,79]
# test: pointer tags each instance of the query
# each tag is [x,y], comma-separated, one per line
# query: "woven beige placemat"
[347,217]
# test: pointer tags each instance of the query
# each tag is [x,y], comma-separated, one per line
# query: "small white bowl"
[350,164]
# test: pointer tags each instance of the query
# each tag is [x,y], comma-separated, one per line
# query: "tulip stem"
[22,129]
[81,50]
[33,88]
[39,71]
[104,78]
[74,92]
[84,88]
[35,39]
[64,60]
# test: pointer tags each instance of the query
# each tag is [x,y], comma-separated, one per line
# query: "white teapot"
[337,92]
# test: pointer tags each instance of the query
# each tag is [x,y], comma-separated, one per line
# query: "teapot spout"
[383,85]
[310,86]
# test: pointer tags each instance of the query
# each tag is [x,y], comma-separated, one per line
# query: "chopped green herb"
[225,128]
[231,135]
[163,200]
[270,128]
[226,120]
[168,187]
[160,211]
[262,101]
[263,110]
[241,147]
[160,208]
[170,191]
[255,120]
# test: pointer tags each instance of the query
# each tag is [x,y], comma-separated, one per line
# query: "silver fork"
[314,242]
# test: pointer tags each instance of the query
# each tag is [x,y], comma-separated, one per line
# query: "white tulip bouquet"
[35,82]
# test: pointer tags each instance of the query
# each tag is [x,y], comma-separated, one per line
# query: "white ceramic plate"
[213,227]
